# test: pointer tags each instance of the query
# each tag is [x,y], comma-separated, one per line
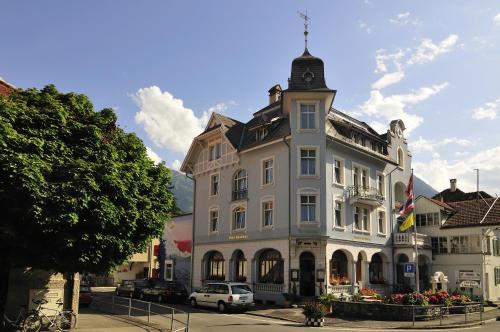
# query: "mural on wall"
[178,242]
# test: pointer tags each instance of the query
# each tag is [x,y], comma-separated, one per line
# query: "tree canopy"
[76,191]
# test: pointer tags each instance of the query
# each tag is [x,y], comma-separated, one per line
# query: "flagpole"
[417,283]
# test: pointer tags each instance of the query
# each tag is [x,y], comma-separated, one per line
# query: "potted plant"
[326,300]
[315,314]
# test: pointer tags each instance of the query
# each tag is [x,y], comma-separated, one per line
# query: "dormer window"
[215,151]
[260,134]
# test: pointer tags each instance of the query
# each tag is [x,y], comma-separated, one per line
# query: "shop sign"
[470,284]
[469,276]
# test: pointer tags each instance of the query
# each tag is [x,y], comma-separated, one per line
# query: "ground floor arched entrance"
[307,268]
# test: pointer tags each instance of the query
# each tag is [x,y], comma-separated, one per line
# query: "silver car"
[223,296]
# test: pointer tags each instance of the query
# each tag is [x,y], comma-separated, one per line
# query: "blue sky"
[164,65]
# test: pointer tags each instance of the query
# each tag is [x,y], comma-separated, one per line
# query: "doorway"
[307,282]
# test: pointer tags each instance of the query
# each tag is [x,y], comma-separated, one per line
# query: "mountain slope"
[422,188]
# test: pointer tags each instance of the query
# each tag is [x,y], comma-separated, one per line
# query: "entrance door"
[307,282]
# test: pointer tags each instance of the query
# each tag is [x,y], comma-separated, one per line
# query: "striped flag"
[406,210]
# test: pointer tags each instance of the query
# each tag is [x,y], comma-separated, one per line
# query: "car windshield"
[241,289]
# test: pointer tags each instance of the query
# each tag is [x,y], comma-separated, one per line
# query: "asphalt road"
[208,320]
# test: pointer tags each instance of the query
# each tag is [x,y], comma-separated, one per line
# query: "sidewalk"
[95,321]
[454,321]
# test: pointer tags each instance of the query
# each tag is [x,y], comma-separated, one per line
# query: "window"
[497,275]
[240,185]
[307,116]
[439,245]
[218,150]
[428,219]
[307,208]
[355,176]
[366,219]
[373,146]
[400,158]
[260,134]
[215,266]
[364,178]
[356,218]
[307,161]
[214,220]
[338,171]
[214,184]
[381,184]
[465,244]
[338,214]
[267,208]
[496,247]
[214,151]
[169,270]
[267,171]
[381,222]
[211,152]
[240,264]
[271,269]
[239,216]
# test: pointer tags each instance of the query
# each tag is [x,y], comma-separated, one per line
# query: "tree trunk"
[4,285]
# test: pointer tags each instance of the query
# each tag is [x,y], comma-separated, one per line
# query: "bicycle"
[21,323]
[63,320]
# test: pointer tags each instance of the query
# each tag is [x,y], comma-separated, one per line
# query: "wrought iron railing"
[269,288]
[366,193]
[240,194]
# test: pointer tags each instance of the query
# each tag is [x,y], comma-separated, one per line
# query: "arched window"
[376,270]
[400,158]
[240,266]
[215,266]
[239,218]
[271,267]
[240,187]
[338,267]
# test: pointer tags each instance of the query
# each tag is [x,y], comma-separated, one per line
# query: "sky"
[164,66]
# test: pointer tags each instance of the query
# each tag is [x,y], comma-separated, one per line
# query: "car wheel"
[193,302]
[160,298]
[221,307]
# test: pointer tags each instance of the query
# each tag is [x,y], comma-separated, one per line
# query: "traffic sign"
[409,270]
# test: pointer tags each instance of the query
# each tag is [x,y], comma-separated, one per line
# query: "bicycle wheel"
[66,321]
[32,323]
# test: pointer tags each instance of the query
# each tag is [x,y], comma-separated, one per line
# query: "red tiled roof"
[470,213]
[6,88]
[442,204]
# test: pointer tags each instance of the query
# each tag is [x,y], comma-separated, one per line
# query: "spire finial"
[306,24]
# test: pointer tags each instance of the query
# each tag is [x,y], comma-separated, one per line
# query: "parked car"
[85,298]
[164,291]
[223,296]
[131,288]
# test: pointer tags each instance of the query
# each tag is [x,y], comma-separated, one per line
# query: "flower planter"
[315,322]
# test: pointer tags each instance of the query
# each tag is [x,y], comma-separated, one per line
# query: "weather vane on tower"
[306,24]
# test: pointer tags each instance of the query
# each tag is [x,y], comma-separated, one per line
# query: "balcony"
[365,195]
[240,194]
[408,240]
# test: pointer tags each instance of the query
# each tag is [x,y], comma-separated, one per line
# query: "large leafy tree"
[76,191]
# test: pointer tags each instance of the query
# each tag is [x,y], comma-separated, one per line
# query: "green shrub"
[314,310]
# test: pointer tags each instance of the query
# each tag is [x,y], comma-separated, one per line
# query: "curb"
[437,327]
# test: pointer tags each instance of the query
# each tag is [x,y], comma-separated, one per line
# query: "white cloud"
[496,19]
[381,57]
[365,27]
[423,145]
[427,51]
[489,111]
[394,107]
[388,79]
[437,172]
[404,19]
[153,155]
[176,164]
[379,127]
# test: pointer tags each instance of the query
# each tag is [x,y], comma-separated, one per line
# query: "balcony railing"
[240,194]
[268,288]
[367,195]
[408,239]
[208,165]
[340,289]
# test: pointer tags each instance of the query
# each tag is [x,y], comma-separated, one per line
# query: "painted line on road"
[269,320]
[340,328]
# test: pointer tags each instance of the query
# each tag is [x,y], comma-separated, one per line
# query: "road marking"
[269,320]
[339,328]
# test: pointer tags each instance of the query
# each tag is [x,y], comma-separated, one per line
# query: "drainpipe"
[289,216]
[192,233]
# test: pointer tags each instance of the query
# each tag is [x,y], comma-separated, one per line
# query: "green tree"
[76,191]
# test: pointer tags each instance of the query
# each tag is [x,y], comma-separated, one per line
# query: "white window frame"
[361,168]
[342,226]
[243,205]
[368,214]
[342,171]
[308,192]
[384,230]
[210,193]
[382,192]
[316,115]
[210,210]
[316,163]
[263,173]
[264,200]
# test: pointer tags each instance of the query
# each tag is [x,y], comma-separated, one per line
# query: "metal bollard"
[413,311]
[113,304]
[172,320]
[440,316]
[149,312]
[129,306]
[465,309]
[187,323]
[481,313]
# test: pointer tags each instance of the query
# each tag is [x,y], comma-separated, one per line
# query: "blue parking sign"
[409,268]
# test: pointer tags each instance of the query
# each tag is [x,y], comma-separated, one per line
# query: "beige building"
[140,265]
[465,240]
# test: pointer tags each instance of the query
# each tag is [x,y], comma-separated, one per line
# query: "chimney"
[453,185]
[274,94]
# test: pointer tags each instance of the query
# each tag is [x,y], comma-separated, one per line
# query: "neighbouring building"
[139,266]
[464,232]
[302,198]
[178,242]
